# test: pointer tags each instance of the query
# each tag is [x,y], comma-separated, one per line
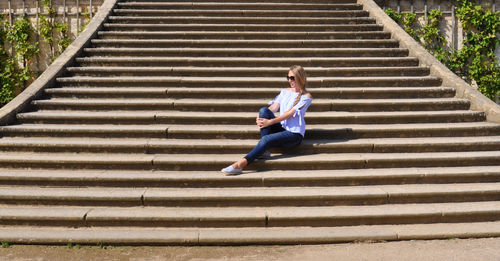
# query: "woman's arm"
[262,122]
[274,107]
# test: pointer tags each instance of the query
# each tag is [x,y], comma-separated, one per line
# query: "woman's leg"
[266,113]
[284,139]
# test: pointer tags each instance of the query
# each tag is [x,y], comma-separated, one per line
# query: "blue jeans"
[274,136]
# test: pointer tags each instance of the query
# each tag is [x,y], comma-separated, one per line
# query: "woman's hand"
[263,122]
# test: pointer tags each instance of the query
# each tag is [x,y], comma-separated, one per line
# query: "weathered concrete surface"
[240,236]
[49,156]
[432,250]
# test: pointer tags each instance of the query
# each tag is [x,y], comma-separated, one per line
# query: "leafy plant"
[408,22]
[476,61]
[64,40]
[86,20]
[15,62]
[47,26]
[71,245]
[12,76]
[8,75]
[19,36]
[393,14]
[405,20]
[46,29]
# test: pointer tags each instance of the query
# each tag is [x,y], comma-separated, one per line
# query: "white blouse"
[296,123]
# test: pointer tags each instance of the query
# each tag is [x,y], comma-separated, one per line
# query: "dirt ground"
[453,249]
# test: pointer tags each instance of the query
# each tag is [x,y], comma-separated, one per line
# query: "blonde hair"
[300,79]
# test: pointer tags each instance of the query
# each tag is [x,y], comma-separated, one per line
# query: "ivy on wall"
[49,27]
[476,61]
[18,49]
[13,76]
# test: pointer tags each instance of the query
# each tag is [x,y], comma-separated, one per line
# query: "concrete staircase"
[126,148]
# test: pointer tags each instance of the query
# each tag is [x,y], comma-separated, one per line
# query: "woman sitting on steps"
[285,131]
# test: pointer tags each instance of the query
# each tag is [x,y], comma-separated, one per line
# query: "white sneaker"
[231,171]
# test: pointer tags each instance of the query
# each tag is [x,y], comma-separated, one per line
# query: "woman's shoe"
[231,171]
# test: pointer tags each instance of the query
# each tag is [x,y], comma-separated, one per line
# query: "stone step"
[319,93]
[224,11]
[249,105]
[314,131]
[433,104]
[250,82]
[78,130]
[199,162]
[231,118]
[247,35]
[241,20]
[333,216]
[250,197]
[246,236]
[208,26]
[332,161]
[111,92]
[254,93]
[225,146]
[244,2]
[248,52]
[226,43]
[245,71]
[341,131]
[276,178]
[239,6]
[127,149]
[230,62]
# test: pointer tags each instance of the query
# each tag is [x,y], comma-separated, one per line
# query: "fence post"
[10,14]
[53,19]
[36,34]
[10,24]
[425,12]
[77,16]
[454,41]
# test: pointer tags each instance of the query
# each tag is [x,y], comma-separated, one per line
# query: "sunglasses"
[290,78]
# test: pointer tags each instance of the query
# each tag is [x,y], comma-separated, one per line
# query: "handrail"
[478,101]
[48,78]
